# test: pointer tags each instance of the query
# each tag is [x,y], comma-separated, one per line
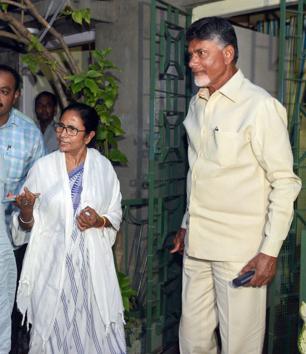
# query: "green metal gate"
[167,171]
[151,223]
[289,286]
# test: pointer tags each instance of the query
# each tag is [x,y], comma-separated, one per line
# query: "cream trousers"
[208,299]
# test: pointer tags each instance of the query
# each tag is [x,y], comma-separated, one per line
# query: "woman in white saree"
[71,208]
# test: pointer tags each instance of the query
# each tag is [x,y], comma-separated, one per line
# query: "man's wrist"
[271,247]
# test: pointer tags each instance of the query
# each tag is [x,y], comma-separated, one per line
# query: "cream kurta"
[240,185]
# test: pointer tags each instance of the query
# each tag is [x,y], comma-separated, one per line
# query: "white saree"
[44,272]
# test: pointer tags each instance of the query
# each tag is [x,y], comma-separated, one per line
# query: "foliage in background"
[127,291]
[302,335]
[96,86]
[133,315]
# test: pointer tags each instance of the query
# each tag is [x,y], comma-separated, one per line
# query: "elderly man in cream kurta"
[240,194]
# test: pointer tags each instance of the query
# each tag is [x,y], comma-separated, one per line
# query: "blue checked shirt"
[21,144]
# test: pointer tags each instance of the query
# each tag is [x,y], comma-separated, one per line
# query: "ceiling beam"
[230,8]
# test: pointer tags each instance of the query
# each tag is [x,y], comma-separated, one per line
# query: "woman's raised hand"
[25,201]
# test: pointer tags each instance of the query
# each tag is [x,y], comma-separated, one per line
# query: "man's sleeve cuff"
[271,248]
[184,221]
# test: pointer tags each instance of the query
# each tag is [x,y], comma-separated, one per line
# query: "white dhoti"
[209,299]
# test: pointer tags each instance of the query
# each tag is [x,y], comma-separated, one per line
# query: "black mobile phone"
[243,279]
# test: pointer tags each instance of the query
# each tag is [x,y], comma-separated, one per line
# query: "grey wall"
[128,37]
[258,55]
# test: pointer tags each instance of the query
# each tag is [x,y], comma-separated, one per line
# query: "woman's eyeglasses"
[70,130]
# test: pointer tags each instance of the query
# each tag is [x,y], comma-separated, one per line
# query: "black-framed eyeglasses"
[70,130]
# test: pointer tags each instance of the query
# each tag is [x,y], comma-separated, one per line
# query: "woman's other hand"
[89,218]
[25,201]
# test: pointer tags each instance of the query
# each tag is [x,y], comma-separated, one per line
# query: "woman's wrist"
[26,221]
[26,214]
[102,221]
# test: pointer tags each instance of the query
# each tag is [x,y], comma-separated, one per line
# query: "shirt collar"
[12,119]
[230,89]
[203,93]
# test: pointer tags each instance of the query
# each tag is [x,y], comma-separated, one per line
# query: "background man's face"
[8,94]
[207,62]
[45,109]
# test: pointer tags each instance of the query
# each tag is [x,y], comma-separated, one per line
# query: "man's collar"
[203,93]
[11,120]
[230,89]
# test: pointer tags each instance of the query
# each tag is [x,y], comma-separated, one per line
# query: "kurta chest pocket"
[223,147]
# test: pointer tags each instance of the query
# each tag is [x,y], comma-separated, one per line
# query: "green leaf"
[87,16]
[117,156]
[31,61]
[91,84]
[126,303]
[101,134]
[116,121]
[77,17]
[126,290]
[118,131]
[4,7]
[94,74]
[109,102]
[76,88]
[81,15]
[76,78]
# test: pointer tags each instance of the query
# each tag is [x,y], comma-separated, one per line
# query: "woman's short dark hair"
[88,115]
[210,28]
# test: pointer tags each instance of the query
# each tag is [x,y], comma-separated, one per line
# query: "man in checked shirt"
[21,144]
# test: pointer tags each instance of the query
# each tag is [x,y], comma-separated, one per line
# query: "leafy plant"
[302,335]
[96,86]
[127,292]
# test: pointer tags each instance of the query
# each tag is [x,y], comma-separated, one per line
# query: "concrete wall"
[128,37]
[258,55]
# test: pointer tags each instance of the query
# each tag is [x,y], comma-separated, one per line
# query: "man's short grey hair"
[214,28]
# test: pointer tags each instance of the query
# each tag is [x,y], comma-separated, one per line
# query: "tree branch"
[72,64]
[14,3]
[59,89]
[26,34]
[13,36]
